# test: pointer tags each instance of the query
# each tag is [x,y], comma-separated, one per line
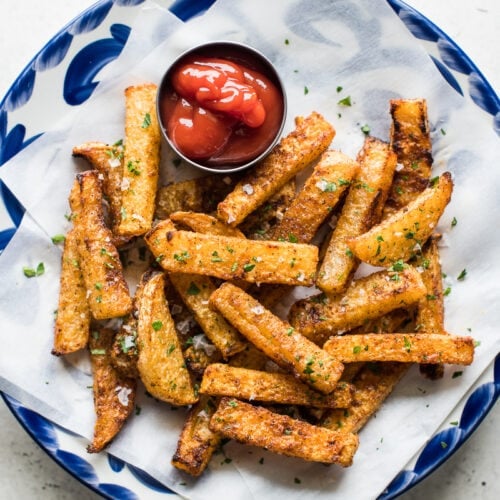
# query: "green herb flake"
[290,331]
[248,267]
[216,257]
[147,121]
[171,349]
[132,167]
[456,374]
[434,181]
[455,422]
[32,273]
[443,131]
[365,129]
[407,344]
[58,238]
[356,349]
[98,352]
[234,267]
[398,266]
[287,42]
[233,403]
[447,291]
[292,238]
[444,445]
[98,286]
[349,253]
[182,257]
[306,90]
[193,289]
[157,325]
[339,89]
[346,101]
[454,222]
[462,275]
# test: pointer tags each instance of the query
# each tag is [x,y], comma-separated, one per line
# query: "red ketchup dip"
[221,111]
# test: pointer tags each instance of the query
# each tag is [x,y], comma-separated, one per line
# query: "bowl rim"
[276,78]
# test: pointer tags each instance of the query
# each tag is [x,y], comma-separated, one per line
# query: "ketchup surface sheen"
[221,113]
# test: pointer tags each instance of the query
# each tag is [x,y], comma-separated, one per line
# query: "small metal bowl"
[237,53]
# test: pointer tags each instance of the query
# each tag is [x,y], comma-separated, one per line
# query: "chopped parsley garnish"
[157,325]
[234,267]
[58,238]
[456,374]
[290,330]
[356,349]
[398,266]
[454,222]
[292,238]
[444,445]
[349,253]
[181,257]
[434,181]
[346,101]
[233,403]
[171,349]
[462,275]
[306,90]
[216,257]
[132,167]
[443,131]
[147,121]
[32,273]
[193,289]
[248,267]
[447,291]
[287,42]
[98,352]
[365,129]
[98,286]
[407,344]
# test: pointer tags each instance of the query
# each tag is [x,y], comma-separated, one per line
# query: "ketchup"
[219,112]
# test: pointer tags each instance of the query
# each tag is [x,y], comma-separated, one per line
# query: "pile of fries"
[221,252]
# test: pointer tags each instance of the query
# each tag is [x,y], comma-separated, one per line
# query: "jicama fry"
[400,236]
[277,339]
[250,358]
[373,384]
[195,291]
[410,140]
[366,298]
[71,331]
[107,291]
[362,208]
[161,364]
[228,258]
[197,442]
[282,388]
[141,160]
[317,198]
[310,138]
[430,309]
[402,347]
[114,395]
[108,161]
[282,434]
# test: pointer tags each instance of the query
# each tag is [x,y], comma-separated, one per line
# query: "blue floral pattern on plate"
[80,81]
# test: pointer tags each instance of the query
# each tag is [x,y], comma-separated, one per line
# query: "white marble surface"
[27,472]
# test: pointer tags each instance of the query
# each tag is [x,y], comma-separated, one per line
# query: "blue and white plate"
[77,54]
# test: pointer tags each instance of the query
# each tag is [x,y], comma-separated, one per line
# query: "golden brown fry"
[282,434]
[114,395]
[227,257]
[281,388]
[317,198]
[366,298]
[277,339]
[402,347]
[362,208]
[195,291]
[402,235]
[258,224]
[410,140]
[373,384]
[161,364]
[194,195]
[72,325]
[141,160]
[108,161]
[204,223]
[197,442]
[310,138]
[197,360]
[107,291]
[430,310]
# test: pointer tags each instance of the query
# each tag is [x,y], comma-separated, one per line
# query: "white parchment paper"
[317,47]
